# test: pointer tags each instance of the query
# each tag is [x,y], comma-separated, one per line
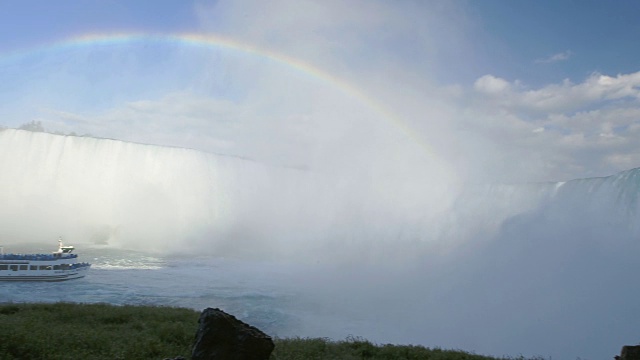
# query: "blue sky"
[498,90]
[597,36]
[508,37]
[35,22]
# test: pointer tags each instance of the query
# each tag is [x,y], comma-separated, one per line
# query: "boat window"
[4,267]
[24,267]
[65,266]
[45,267]
[13,267]
[56,267]
[33,267]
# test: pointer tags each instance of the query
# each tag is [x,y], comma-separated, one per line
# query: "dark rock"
[221,336]
[176,358]
[629,353]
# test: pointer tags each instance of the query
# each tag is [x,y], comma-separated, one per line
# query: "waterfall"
[170,199]
[127,194]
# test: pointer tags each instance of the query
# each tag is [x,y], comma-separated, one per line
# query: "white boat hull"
[54,275]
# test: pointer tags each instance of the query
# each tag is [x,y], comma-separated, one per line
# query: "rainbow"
[217,41]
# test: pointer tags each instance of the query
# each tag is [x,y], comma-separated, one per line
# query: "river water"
[273,297]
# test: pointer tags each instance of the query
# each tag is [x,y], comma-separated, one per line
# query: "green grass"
[101,331]
[357,349]
[96,331]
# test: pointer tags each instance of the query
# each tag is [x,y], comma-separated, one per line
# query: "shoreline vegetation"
[103,331]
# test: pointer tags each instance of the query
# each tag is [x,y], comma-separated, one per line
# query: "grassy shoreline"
[103,331]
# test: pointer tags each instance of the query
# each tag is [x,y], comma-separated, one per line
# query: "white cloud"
[490,84]
[555,58]
[562,97]
[590,127]
[499,130]
[624,160]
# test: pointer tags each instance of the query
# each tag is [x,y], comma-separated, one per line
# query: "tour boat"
[57,266]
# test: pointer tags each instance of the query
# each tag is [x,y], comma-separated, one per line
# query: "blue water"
[252,292]
[486,303]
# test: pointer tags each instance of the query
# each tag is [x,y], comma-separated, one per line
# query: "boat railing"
[37,257]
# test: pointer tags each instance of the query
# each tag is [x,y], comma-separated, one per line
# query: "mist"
[163,199]
[525,261]
[406,208]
